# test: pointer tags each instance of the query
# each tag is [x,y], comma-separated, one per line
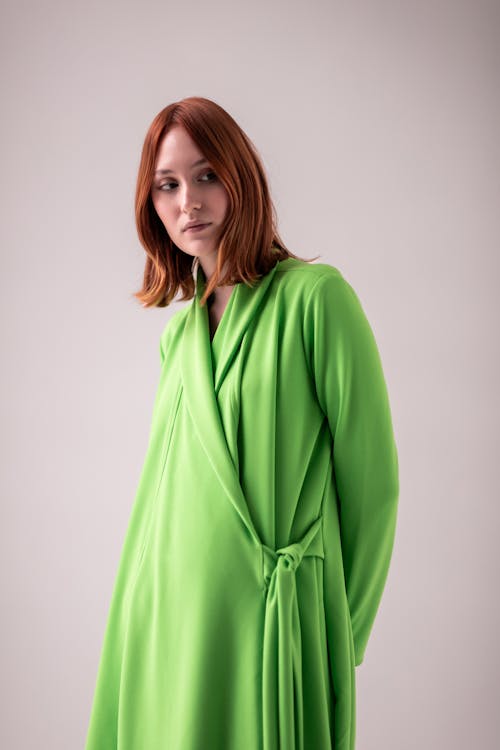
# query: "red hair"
[249,244]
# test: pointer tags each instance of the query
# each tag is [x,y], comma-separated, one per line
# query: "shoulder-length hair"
[249,243]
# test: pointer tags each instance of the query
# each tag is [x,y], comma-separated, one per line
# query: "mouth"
[197,227]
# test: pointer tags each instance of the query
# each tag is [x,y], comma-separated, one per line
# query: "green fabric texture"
[261,534]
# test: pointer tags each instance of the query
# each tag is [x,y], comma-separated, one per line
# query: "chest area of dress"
[270,377]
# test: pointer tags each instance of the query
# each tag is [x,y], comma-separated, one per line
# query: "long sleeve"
[352,393]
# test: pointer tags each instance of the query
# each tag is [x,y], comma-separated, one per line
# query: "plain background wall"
[378,126]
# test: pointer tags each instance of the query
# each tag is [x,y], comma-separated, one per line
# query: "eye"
[211,175]
[166,186]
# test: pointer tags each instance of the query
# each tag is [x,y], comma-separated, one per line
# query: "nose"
[190,199]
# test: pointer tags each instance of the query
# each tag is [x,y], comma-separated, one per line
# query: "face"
[185,190]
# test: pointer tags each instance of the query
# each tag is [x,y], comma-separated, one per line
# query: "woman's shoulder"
[300,275]
[173,328]
[322,288]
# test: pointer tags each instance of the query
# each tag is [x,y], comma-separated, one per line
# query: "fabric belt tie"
[282,654]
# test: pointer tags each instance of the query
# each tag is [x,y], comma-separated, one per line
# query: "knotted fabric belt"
[282,653]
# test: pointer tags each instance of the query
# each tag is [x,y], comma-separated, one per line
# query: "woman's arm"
[352,393]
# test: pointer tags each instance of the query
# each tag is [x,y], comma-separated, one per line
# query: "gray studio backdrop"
[378,125]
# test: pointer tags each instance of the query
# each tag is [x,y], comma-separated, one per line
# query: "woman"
[262,530]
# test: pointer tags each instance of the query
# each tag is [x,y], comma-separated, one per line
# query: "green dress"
[259,542]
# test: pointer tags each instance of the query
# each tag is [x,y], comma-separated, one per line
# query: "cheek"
[163,211]
[223,201]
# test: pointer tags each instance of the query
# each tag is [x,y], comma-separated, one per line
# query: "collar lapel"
[201,386]
[245,308]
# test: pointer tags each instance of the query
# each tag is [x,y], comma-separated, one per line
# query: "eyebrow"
[168,171]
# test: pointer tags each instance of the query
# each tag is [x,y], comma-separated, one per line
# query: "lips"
[198,225]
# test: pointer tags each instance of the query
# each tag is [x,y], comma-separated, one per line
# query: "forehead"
[177,150]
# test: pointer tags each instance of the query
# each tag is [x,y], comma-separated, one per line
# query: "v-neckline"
[216,355]
[214,339]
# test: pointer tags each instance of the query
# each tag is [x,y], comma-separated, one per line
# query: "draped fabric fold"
[282,697]
[282,654]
